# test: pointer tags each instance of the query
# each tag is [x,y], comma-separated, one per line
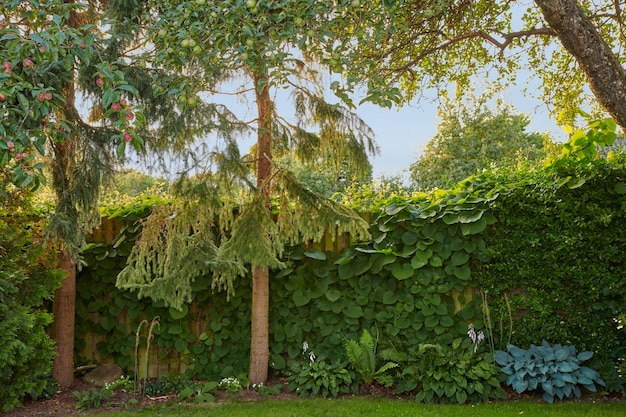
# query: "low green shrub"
[442,374]
[362,356]
[96,397]
[317,377]
[553,368]
[168,384]
[320,378]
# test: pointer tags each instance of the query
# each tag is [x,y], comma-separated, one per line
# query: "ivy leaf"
[301,298]
[402,272]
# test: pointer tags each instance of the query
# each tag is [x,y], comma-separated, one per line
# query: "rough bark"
[63,327]
[605,74]
[259,344]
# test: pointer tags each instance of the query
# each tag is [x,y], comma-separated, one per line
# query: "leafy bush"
[27,279]
[555,369]
[362,356]
[95,397]
[444,374]
[320,378]
[168,384]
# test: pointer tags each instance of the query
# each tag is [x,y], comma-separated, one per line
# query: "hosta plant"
[555,369]
[447,374]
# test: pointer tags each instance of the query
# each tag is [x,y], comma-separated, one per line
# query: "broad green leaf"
[402,272]
[474,228]
[179,314]
[459,258]
[333,294]
[470,216]
[353,312]
[316,254]
[301,298]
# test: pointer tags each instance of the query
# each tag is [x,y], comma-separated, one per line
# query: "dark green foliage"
[362,356]
[556,242]
[27,280]
[318,377]
[169,384]
[446,374]
[92,398]
[557,254]
[554,369]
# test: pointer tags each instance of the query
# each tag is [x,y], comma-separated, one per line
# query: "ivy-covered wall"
[546,249]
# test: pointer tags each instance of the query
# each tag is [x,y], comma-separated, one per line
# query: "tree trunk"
[63,326]
[605,74]
[259,343]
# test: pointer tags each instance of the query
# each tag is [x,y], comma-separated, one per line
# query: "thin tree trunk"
[259,343]
[577,33]
[63,326]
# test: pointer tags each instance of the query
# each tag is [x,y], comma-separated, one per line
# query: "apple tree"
[571,47]
[43,45]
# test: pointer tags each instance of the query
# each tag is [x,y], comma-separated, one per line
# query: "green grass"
[368,407]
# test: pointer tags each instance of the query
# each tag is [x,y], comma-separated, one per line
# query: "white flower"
[305,347]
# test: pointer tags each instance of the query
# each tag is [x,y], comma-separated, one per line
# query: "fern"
[362,356]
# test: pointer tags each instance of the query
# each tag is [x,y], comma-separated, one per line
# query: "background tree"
[472,137]
[131,182]
[568,45]
[267,45]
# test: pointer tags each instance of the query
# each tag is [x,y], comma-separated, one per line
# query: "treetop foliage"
[472,137]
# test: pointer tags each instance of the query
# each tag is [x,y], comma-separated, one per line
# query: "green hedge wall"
[559,255]
[550,243]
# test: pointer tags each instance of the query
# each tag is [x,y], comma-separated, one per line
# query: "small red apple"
[130,115]
[2,97]
[7,67]
[128,137]
[48,96]
[42,49]
[28,63]
[41,96]
[116,107]
[99,82]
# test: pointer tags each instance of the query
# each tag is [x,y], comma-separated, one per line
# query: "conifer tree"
[266,44]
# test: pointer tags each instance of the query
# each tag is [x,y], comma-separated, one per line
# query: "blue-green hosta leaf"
[583,356]
[520,386]
[561,354]
[502,358]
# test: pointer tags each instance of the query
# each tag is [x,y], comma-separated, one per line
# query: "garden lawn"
[366,407]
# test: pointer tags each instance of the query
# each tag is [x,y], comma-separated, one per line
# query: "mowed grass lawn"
[372,407]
